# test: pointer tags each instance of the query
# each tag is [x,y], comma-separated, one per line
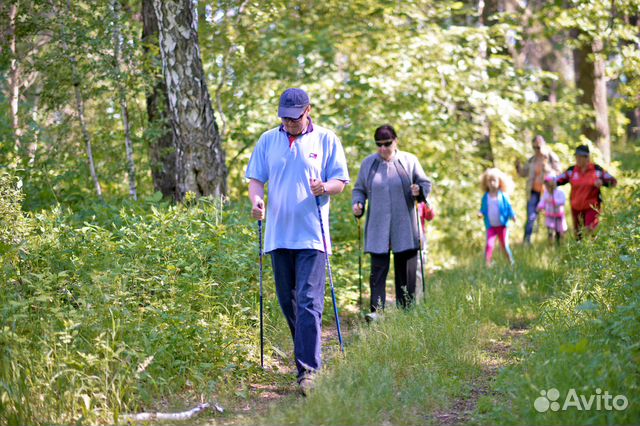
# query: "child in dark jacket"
[497,211]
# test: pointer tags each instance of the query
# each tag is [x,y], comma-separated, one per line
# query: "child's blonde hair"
[506,183]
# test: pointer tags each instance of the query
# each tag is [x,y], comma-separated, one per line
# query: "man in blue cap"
[301,161]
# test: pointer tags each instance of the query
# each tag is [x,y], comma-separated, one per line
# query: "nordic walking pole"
[359,263]
[333,293]
[261,315]
[424,287]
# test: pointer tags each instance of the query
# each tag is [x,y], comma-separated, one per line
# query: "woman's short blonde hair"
[506,183]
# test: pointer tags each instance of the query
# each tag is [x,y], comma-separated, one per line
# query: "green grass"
[413,363]
[580,302]
[586,338]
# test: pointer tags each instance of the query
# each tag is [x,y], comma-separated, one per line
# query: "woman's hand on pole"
[357,209]
[415,190]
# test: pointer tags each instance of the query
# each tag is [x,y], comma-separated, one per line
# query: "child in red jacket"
[586,179]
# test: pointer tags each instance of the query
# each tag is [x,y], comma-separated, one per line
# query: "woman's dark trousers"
[404,266]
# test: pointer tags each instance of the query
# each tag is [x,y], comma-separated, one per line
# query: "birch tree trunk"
[591,79]
[162,151]
[200,159]
[80,107]
[131,165]
[14,77]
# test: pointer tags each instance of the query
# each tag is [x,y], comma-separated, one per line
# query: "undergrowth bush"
[14,224]
[112,308]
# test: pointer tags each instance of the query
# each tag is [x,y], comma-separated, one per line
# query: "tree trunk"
[131,165]
[633,129]
[591,80]
[14,77]
[80,108]
[601,129]
[486,10]
[32,149]
[162,150]
[200,159]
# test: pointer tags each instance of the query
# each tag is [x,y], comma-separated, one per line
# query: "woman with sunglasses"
[391,181]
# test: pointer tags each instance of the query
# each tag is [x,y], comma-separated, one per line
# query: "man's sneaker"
[306,385]
[372,317]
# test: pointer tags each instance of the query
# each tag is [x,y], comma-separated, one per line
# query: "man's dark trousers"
[300,285]
[532,214]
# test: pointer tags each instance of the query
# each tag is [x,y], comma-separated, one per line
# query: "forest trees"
[200,159]
[595,32]
[85,60]
[455,78]
[599,30]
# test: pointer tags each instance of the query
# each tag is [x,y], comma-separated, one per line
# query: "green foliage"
[12,220]
[14,225]
[587,335]
[59,170]
[115,308]
[438,83]
[438,77]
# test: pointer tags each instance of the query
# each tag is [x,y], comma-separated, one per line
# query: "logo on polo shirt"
[313,155]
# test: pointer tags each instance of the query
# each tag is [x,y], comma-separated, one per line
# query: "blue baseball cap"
[583,150]
[293,102]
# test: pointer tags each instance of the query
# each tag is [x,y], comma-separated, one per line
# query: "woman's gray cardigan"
[403,217]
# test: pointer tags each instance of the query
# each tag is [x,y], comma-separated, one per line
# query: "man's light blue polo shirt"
[292,215]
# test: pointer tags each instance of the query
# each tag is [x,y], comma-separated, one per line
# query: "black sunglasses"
[294,120]
[386,143]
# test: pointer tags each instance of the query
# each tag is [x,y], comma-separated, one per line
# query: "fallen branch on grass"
[185,415]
